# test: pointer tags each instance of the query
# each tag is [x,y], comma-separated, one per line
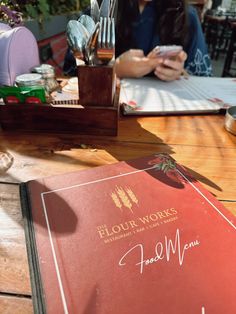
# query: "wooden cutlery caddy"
[97,85]
[97,115]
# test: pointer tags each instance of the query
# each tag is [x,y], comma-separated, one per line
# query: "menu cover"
[140,236]
[188,95]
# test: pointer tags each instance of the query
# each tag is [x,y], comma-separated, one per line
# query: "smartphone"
[167,51]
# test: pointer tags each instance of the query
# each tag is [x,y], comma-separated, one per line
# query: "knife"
[113,8]
[94,11]
[105,8]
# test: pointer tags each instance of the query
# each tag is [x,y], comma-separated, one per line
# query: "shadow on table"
[47,208]
[51,147]
[40,148]
[166,170]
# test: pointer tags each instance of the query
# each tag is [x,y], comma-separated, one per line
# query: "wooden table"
[199,142]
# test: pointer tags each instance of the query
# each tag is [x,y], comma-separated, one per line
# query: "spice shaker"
[48,73]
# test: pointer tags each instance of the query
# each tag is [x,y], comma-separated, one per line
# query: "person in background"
[216,4]
[206,8]
[143,24]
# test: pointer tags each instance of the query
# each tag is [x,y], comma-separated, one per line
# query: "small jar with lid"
[30,79]
[48,74]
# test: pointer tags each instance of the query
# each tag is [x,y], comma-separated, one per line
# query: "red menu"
[133,237]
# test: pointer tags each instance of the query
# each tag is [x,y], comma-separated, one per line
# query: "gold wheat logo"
[124,198]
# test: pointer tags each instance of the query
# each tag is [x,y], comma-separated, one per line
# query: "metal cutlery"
[77,36]
[90,41]
[113,8]
[94,11]
[104,9]
[106,40]
[88,22]
[90,47]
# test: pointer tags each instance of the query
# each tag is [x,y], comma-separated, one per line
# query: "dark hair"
[171,23]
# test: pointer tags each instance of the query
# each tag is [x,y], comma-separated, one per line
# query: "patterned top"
[198,61]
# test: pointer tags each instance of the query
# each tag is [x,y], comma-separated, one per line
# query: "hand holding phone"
[171,61]
[168,51]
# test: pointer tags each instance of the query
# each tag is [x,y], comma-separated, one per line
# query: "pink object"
[4,27]
[18,51]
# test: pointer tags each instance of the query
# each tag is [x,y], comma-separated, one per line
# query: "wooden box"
[98,114]
[97,85]
[46,118]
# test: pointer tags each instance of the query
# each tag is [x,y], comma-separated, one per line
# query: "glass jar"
[30,79]
[48,74]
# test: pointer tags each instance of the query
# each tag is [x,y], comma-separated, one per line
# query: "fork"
[113,8]
[106,40]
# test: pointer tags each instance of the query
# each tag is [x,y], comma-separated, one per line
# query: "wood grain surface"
[14,271]
[200,143]
[18,305]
